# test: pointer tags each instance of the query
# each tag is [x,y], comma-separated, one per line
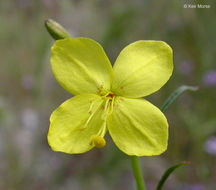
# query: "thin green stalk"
[167,174]
[137,173]
[176,94]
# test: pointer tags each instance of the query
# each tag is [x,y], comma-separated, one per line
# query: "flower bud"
[56,30]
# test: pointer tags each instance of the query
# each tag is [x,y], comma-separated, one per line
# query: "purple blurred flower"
[27,82]
[25,3]
[186,67]
[29,118]
[195,187]
[210,146]
[209,79]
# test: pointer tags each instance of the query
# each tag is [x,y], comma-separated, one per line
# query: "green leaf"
[167,174]
[176,94]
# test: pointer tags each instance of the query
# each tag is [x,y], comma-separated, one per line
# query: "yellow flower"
[109,98]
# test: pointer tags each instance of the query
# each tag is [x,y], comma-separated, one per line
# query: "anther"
[98,141]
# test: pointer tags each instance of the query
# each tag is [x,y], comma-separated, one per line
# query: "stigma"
[98,141]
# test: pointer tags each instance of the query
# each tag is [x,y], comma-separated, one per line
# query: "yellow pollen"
[99,142]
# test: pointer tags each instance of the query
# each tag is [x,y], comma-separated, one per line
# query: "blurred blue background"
[29,93]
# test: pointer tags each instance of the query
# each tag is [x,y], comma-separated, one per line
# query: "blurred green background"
[29,93]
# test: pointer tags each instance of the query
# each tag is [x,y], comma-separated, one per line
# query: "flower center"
[110,95]
[109,103]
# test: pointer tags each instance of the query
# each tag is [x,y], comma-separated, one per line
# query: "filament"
[112,104]
[105,109]
[91,114]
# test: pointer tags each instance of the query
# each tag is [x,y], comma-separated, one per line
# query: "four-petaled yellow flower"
[109,98]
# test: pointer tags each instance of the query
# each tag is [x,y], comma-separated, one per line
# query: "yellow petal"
[80,65]
[75,123]
[142,68]
[137,127]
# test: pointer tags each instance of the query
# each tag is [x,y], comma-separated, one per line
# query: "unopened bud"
[56,30]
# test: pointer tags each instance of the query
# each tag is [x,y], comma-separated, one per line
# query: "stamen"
[105,109]
[98,141]
[91,106]
[106,105]
[91,114]
[106,94]
[86,123]
[103,129]
[110,95]
[112,104]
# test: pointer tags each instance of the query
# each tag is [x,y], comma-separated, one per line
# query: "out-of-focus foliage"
[29,93]
[167,173]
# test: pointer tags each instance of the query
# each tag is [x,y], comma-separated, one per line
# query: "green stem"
[137,173]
